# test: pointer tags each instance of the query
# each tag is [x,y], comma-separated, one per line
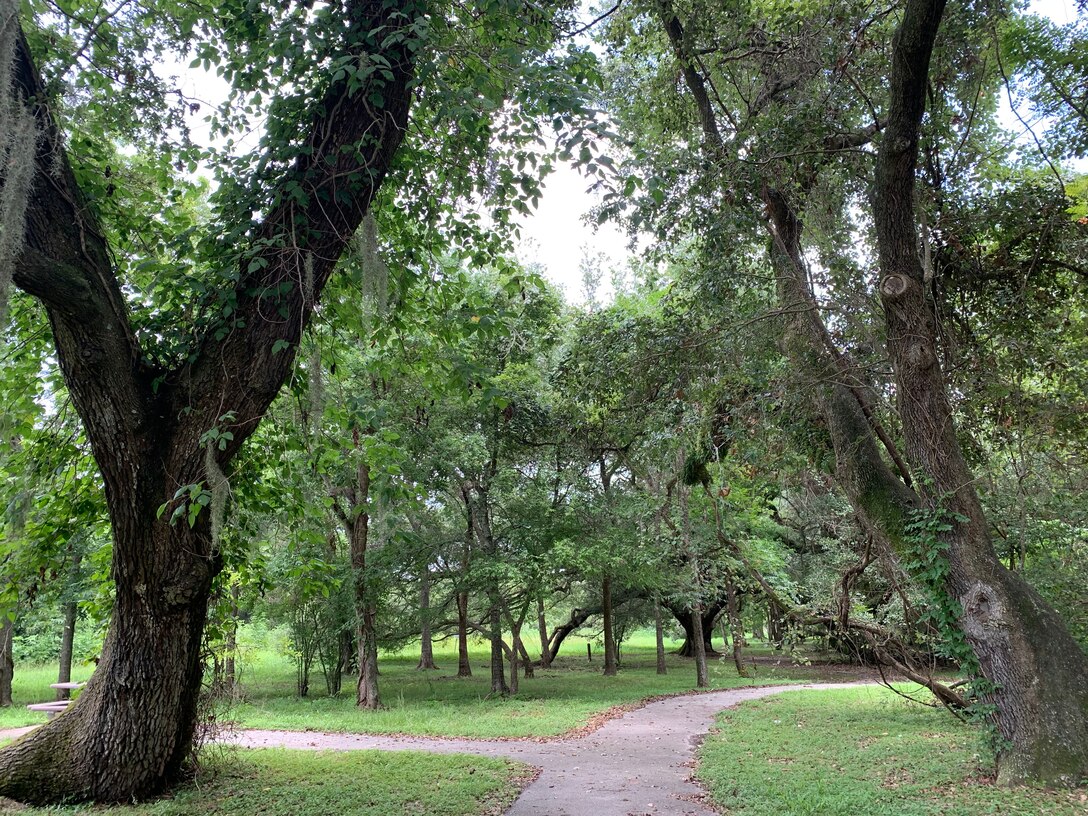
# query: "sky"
[557,234]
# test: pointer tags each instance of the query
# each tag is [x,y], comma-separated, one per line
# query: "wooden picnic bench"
[55,707]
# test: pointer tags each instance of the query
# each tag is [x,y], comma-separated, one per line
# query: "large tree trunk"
[609,640]
[426,646]
[1038,673]
[686,620]
[130,732]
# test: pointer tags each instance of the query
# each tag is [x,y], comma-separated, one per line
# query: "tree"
[168,393]
[785,127]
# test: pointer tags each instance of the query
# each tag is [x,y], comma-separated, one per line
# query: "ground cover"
[302,783]
[437,703]
[858,752]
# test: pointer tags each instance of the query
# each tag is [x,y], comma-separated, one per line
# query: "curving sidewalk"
[637,764]
[634,765]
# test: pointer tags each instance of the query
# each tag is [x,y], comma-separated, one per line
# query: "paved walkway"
[638,764]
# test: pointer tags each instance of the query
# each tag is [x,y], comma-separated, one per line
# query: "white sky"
[557,236]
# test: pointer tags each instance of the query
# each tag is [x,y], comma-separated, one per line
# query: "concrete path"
[638,764]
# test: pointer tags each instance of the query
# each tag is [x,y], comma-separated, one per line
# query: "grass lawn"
[438,703]
[858,752]
[360,783]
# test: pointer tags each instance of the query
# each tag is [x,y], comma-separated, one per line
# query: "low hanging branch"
[883,643]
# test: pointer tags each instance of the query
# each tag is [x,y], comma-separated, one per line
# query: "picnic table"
[55,707]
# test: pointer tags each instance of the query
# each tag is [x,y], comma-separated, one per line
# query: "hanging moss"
[219,487]
[375,272]
[696,471]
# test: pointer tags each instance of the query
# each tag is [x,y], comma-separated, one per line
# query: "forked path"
[638,764]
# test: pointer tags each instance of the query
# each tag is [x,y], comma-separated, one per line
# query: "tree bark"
[230,646]
[498,660]
[609,641]
[732,614]
[130,733]
[542,632]
[659,638]
[702,677]
[1039,673]
[426,646]
[686,620]
[7,663]
[358,523]
[526,661]
[366,691]
[464,667]
[67,644]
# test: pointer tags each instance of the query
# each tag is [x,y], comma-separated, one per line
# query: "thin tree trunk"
[609,642]
[515,655]
[498,659]
[659,638]
[358,522]
[464,668]
[426,647]
[542,632]
[735,625]
[68,632]
[702,678]
[7,663]
[526,661]
[366,692]
[230,645]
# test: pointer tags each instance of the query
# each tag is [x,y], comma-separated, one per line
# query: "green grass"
[31,685]
[437,703]
[857,752]
[361,783]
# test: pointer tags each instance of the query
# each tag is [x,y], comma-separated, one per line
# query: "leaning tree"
[332,88]
[805,124]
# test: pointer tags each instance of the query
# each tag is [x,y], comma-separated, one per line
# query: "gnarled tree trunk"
[131,731]
[1038,672]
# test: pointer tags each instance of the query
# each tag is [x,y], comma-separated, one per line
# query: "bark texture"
[7,662]
[659,639]
[610,667]
[1039,672]
[426,644]
[130,733]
